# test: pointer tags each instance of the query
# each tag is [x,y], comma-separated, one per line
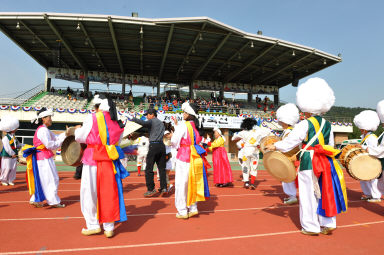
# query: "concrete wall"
[340,137]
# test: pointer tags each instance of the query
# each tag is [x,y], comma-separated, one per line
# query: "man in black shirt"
[156,152]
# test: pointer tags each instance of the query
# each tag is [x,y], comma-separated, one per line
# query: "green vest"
[13,145]
[305,159]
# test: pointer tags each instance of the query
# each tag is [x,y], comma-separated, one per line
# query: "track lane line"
[170,213]
[205,240]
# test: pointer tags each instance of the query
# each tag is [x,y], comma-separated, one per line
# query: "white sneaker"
[11,183]
[4,184]
[364,197]
[374,200]
[291,201]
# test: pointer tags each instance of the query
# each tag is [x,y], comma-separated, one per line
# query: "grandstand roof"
[177,50]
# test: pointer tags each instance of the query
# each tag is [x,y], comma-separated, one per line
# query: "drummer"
[101,197]
[251,136]
[379,150]
[9,124]
[142,143]
[368,121]
[319,203]
[287,116]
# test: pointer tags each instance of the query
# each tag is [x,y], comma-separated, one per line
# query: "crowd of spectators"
[264,104]
[171,102]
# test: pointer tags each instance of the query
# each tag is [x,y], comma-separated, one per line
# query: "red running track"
[233,221]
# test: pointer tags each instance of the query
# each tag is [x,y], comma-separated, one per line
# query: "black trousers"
[79,170]
[156,154]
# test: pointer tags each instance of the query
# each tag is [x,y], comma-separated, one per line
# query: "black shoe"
[252,186]
[77,177]
[150,193]
[164,192]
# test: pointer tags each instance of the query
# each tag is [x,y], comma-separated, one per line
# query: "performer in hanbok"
[378,152]
[101,191]
[321,182]
[142,143]
[368,121]
[191,183]
[288,115]
[249,154]
[9,124]
[205,140]
[168,157]
[44,172]
[222,171]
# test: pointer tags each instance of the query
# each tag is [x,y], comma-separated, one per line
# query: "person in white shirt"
[251,136]
[142,150]
[47,168]
[378,152]
[9,153]
[319,174]
[368,121]
[287,116]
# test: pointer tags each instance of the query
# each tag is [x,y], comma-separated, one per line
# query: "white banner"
[207,121]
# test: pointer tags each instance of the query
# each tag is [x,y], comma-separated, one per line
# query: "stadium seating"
[58,101]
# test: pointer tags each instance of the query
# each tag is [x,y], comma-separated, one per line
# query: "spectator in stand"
[213,96]
[175,103]
[130,96]
[165,107]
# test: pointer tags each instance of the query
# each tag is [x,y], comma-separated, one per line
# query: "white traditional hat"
[380,110]
[97,99]
[315,96]
[217,130]
[186,107]
[367,120]
[47,112]
[288,113]
[9,123]
[104,105]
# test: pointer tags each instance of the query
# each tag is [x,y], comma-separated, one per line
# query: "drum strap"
[286,132]
[380,138]
[313,139]
[364,141]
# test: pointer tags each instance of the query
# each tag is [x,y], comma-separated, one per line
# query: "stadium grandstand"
[206,61]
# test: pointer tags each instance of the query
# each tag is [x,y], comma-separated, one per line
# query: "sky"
[351,27]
